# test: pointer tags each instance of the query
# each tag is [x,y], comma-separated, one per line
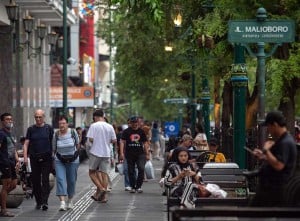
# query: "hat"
[274,117]
[213,142]
[133,119]
[186,137]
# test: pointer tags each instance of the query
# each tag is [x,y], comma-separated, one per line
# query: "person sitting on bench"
[183,181]
[215,156]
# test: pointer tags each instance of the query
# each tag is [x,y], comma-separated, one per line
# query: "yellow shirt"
[218,158]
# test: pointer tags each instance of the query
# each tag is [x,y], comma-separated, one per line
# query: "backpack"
[72,135]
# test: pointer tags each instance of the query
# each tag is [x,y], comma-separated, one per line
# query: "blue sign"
[171,129]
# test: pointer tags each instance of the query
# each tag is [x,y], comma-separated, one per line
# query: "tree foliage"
[145,72]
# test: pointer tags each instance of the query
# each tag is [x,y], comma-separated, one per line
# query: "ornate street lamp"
[12,10]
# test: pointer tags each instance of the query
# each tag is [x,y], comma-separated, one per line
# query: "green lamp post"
[239,81]
[65,54]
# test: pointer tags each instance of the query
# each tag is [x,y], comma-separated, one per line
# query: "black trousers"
[138,161]
[40,180]
[269,196]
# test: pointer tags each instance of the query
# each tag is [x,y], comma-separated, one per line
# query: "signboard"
[176,100]
[77,96]
[171,129]
[253,31]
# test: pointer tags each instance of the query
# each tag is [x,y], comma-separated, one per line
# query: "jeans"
[66,177]
[40,180]
[126,177]
[139,161]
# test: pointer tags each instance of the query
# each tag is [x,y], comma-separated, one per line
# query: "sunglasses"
[38,117]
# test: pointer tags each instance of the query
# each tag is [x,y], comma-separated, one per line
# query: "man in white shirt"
[101,135]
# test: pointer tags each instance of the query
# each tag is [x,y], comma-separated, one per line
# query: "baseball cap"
[274,117]
[213,142]
[133,119]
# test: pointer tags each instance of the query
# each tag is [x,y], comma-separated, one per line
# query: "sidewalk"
[121,205]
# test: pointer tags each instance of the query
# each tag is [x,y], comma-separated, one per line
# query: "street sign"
[176,101]
[253,31]
[171,129]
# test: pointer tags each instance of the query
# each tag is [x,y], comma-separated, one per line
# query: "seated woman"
[185,181]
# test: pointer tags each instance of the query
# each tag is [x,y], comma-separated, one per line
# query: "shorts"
[8,171]
[101,164]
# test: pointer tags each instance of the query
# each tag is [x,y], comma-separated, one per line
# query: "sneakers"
[62,206]
[139,190]
[132,191]
[70,204]
[45,207]
[127,188]
[38,206]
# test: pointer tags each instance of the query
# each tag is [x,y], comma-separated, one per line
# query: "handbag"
[149,170]
[67,158]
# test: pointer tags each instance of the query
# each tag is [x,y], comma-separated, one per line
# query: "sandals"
[6,214]
[95,198]
[101,196]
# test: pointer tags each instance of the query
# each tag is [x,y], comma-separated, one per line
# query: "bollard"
[15,197]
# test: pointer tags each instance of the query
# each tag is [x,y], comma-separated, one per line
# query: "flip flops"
[6,214]
[95,198]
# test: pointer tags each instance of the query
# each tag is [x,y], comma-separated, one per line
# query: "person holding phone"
[278,159]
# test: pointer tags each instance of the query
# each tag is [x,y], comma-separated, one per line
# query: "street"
[121,205]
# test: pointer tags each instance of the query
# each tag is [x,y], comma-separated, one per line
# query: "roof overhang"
[49,12]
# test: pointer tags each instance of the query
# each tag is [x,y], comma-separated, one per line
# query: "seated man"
[215,156]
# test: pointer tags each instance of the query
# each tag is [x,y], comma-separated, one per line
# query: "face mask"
[9,125]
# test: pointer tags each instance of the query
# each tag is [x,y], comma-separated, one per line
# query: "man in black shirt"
[135,148]
[278,162]
[38,146]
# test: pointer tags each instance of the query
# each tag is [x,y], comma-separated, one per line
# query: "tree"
[141,28]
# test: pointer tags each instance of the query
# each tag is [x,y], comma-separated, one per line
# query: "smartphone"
[249,150]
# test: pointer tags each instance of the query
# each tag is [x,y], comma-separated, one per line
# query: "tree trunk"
[287,104]
[227,131]
[217,102]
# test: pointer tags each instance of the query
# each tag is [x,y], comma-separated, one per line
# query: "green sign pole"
[239,81]
[261,31]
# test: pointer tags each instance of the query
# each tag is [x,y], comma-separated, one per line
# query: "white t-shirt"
[103,134]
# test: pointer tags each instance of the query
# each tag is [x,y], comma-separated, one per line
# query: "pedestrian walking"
[155,145]
[278,158]
[66,146]
[38,146]
[101,134]
[135,146]
[8,162]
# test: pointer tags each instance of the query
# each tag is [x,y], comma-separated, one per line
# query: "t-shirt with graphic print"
[135,140]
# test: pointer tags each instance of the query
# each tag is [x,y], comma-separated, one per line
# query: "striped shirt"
[66,144]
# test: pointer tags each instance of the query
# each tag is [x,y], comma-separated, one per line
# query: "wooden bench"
[229,179]
[234,213]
